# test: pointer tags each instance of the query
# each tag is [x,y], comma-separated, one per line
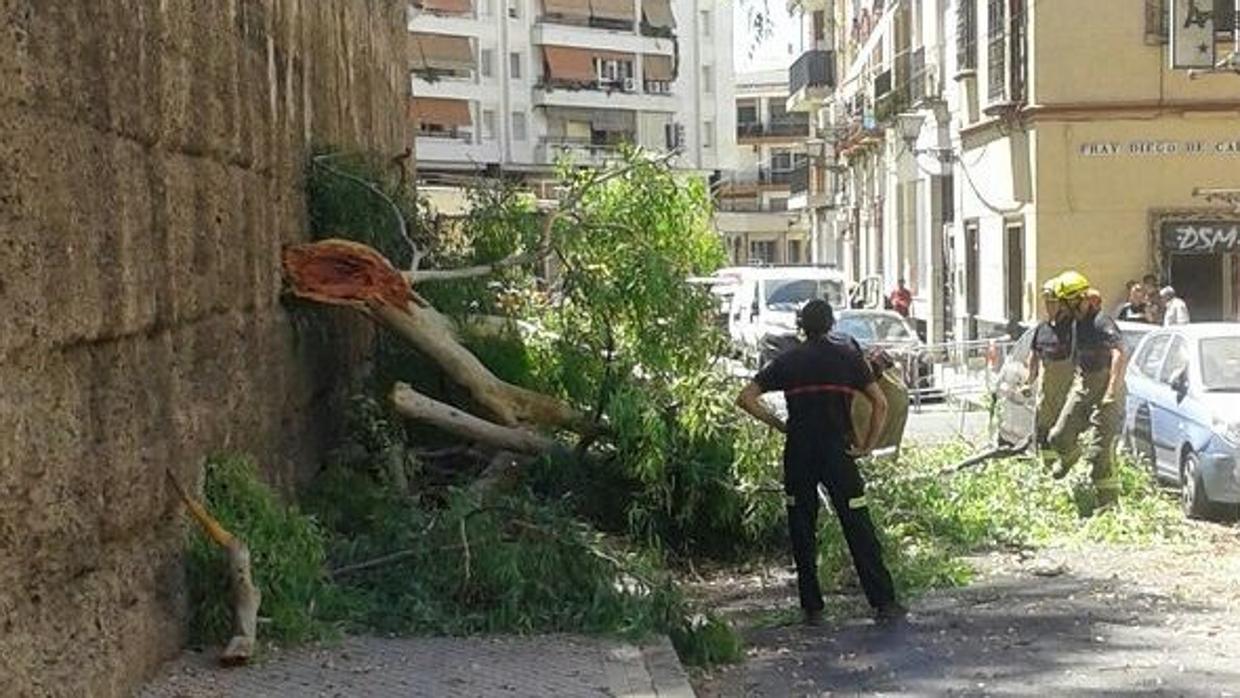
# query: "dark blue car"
[1183,413]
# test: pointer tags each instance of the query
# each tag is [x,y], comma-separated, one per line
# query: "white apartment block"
[521,84]
[752,200]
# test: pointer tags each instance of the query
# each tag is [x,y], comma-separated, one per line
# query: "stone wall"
[151,160]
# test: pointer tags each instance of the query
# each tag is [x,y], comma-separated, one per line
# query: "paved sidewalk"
[441,667]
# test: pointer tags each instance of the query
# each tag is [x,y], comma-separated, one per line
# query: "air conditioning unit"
[630,84]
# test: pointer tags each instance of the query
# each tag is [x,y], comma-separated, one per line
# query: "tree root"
[246,596]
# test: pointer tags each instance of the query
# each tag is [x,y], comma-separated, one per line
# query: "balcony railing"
[775,129]
[726,205]
[812,69]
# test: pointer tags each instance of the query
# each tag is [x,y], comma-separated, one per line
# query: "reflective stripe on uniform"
[857,502]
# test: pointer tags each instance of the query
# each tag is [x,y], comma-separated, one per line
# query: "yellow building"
[1079,147]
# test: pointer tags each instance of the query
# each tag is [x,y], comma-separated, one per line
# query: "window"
[488,124]
[518,126]
[514,65]
[966,35]
[781,160]
[996,56]
[794,249]
[762,251]
[778,204]
[820,25]
[514,9]
[1154,354]
[612,71]
[708,133]
[705,22]
[708,80]
[1016,51]
[1177,360]
[486,62]
[746,113]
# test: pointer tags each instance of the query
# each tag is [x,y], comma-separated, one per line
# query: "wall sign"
[1146,148]
[1201,237]
[1192,34]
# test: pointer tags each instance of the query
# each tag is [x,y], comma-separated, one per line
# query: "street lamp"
[909,126]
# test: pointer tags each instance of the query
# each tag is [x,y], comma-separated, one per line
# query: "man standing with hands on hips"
[819,378]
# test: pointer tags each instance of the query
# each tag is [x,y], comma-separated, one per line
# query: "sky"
[774,52]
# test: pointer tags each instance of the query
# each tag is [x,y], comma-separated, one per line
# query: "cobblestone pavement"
[439,667]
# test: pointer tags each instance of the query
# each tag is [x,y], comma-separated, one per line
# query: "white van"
[765,300]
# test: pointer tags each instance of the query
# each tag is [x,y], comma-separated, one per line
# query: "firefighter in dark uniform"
[1097,397]
[1051,359]
[819,378]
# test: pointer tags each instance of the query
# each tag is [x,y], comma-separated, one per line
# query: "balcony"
[580,151]
[806,6]
[811,79]
[786,129]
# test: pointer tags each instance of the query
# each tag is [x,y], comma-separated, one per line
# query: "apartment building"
[752,200]
[976,147]
[521,84]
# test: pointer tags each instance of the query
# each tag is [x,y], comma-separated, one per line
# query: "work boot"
[890,613]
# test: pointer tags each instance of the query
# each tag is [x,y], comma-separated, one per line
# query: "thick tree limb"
[418,407]
[246,596]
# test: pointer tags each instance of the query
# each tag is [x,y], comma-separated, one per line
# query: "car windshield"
[874,328]
[791,294]
[1220,363]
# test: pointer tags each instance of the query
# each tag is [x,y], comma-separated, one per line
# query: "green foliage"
[287,551]
[929,521]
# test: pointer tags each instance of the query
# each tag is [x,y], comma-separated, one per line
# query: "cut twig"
[246,596]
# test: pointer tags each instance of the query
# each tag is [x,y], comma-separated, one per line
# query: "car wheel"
[1193,497]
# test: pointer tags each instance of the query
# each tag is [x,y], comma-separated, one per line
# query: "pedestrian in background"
[1176,310]
[901,299]
[1133,307]
[1153,303]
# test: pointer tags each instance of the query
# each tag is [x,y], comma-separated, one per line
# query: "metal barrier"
[965,372]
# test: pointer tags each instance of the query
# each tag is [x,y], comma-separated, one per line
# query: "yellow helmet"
[1070,285]
[1049,288]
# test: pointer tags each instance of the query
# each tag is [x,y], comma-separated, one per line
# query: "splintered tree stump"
[342,272]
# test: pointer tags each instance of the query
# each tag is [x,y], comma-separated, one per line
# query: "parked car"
[884,329]
[1183,413]
[1016,404]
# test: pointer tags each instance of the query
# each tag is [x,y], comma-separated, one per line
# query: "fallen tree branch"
[246,596]
[418,407]
[341,272]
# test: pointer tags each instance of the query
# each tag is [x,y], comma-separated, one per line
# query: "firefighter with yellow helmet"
[1097,396]
[1051,359]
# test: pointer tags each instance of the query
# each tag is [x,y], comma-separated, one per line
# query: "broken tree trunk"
[341,272]
[246,596]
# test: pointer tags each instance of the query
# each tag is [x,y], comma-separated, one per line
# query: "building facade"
[752,199]
[522,84]
[982,146]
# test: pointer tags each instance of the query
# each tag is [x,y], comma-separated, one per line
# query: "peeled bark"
[416,406]
[246,597]
[341,272]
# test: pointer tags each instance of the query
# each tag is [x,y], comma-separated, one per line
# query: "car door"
[1166,415]
[1142,388]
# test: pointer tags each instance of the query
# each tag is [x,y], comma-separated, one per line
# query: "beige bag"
[892,433]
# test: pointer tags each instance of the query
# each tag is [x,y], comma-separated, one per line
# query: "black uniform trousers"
[838,472]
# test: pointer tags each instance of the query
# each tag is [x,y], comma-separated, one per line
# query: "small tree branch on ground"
[246,596]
